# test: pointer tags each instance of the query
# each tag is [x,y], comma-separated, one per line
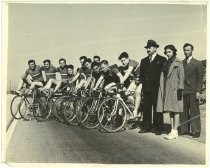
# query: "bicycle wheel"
[111,115]
[26,109]
[44,108]
[14,107]
[71,109]
[58,108]
[88,113]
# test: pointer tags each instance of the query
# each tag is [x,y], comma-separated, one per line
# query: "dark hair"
[95,64]
[83,57]
[96,56]
[47,61]
[31,61]
[171,47]
[123,55]
[104,62]
[62,59]
[70,66]
[188,44]
[87,60]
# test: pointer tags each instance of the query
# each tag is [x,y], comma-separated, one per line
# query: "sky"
[54,31]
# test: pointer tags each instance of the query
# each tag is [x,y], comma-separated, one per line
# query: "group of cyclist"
[93,74]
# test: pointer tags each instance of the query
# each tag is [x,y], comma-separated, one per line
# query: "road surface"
[51,141]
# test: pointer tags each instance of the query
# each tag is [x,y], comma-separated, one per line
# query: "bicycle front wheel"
[26,109]
[58,108]
[71,110]
[43,108]
[14,107]
[88,113]
[111,115]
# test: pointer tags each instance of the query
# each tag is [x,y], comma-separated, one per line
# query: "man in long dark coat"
[150,69]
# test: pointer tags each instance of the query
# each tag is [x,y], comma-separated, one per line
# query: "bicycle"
[89,107]
[35,105]
[112,112]
[72,107]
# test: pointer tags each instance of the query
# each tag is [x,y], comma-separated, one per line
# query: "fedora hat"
[151,43]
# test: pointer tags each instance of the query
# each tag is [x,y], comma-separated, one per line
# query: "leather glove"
[179,94]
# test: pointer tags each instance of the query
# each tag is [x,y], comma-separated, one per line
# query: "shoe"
[195,135]
[153,130]
[172,135]
[17,92]
[158,132]
[144,131]
[133,126]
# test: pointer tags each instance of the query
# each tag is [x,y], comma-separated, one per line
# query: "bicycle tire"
[107,113]
[58,108]
[26,109]
[71,110]
[44,109]
[14,107]
[88,113]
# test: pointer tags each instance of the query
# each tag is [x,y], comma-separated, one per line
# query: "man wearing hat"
[150,69]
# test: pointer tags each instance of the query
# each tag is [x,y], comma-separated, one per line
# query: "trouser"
[150,101]
[191,109]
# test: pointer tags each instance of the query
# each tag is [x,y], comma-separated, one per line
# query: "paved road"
[56,142]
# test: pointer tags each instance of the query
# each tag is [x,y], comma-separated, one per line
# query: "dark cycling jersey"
[96,75]
[136,68]
[63,72]
[50,73]
[111,75]
[36,74]
[85,71]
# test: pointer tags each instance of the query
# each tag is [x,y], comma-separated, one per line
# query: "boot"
[172,135]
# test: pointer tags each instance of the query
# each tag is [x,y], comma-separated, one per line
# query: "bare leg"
[176,121]
[110,87]
[58,84]
[137,100]
[36,83]
[21,83]
[48,84]
[81,84]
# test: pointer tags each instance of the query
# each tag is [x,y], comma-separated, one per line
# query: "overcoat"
[168,101]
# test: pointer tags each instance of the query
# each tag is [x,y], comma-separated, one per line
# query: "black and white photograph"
[104,84]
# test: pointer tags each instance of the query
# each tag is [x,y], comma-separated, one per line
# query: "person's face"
[96,69]
[96,60]
[62,64]
[104,67]
[124,61]
[32,65]
[81,61]
[188,51]
[47,65]
[88,65]
[169,53]
[151,50]
[70,71]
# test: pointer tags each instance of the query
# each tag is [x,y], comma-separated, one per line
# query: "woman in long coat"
[170,90]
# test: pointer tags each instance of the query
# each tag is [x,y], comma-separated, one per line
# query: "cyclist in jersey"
[36,74]
[64,76]
[49,70]
[95,75]
[49,74]
[81,73]
[87,72]
[131,72]
[110,74]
